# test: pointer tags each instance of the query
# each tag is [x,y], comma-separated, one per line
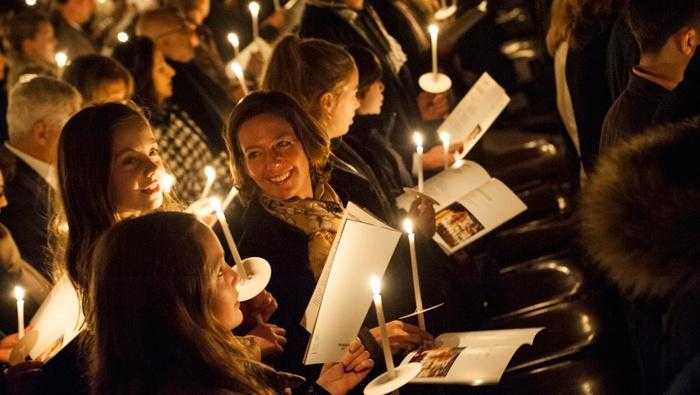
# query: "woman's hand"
[263,305]
[422,214]
[402,336]
[340,377]
[433,106]
[270,338]
[6,345]
[434,158]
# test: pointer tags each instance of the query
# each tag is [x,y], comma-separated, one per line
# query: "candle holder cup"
[259,273]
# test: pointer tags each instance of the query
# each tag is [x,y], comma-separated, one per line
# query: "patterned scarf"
[318,218]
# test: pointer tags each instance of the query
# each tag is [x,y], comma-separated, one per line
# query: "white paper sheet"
[334,319]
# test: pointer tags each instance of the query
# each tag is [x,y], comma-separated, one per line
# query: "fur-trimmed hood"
[640,211]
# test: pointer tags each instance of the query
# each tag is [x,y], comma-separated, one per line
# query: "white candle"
[445,138]
[238,72]
[377,296]
[433,29]
[418,140]
[216,205]
[235,43]
[210,173]
[61,59]
[229,198]
[408,228]
[166,182]
[254,9]
[19,295]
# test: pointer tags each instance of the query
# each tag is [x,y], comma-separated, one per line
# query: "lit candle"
[216,205]
[377,296]
[418,140]
[445,138]
[229,198]
[61,59]
[238,72]
[19,295]
[166,182]
[235,42]
[254,9]
[433,29]
[122,37]
[30,3]
[210,173]
[408,228]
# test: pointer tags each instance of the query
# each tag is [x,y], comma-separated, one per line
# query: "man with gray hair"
[36,113]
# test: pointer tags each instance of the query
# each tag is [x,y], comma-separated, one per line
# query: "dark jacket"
[632,112]
[684,101]
[27,215]
[400,88]
[74,41]
[623,54]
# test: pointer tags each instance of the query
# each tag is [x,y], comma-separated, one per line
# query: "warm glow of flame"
[433,29]
[19,293]
[122,37]
[407,225]
[375,284]
[254,8]
[215,203]
[445,138]
[233,39]
[210,173]
[61,59]
[418,139]
[167,182]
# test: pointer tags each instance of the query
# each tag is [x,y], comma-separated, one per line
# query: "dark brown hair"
[23,26]
[571,19]
[152,312]
[90,73]
[314,140]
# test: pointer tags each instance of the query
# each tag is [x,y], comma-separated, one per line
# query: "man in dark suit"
[37,111]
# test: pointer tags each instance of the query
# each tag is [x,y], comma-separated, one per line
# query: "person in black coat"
[682,102]
[36,112]
[280,159]
[640,221]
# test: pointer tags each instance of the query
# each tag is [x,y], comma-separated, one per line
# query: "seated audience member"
[367,134]
[183,344]
[682,102]
[623,54]
[68,19]
[183,145]
[31,45]
[99,79]
[353,22]
[279,159]
[640,224]
[36,113]
[206,102]
[578,38]
[668,34]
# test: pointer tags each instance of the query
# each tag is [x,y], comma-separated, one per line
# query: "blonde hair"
[569,17]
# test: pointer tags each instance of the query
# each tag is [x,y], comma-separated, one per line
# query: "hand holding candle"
[445,138]
[418,140]
[19,295]
[408,228]
[375,283]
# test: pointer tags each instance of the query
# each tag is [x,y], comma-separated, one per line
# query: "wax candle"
[445,138]
[19,295]
[377,296]
[216,205]
[254,9]
[277,4]
[210,173]
[229,198]
[235,43]
[418,140]
[61,59]
[238,72]
[433,29]
[408,228]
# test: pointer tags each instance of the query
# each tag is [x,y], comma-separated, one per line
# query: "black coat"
[27,215]
[684,101]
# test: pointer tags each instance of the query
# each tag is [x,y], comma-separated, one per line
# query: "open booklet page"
[475,214]
[475,113]
[56,323]
[449,185]
[471,358]
[363,246]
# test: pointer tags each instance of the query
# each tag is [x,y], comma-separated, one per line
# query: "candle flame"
[445,138]
[407,225]
[418,138]
[375,284]
[237,70]
[19,293]
[122,37]
[233,39]
[433,29]
[210,173]
[167,182]
[254,8]
[215,203]
[61,59]
[30,3]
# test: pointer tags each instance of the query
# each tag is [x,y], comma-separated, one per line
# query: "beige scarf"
[318,218]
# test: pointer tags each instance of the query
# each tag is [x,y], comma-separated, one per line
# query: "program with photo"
[436,361]
[456,224]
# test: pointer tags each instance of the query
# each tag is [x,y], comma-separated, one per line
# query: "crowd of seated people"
[322,115]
